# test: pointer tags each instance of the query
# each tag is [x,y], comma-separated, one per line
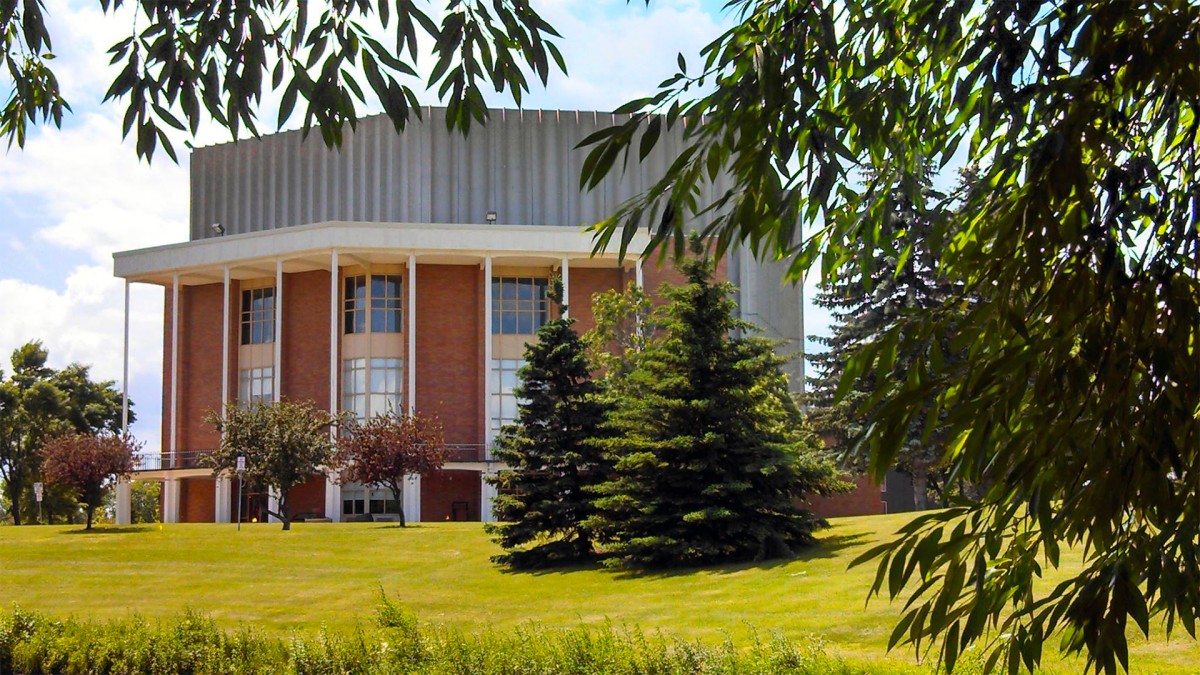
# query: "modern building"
[401,271]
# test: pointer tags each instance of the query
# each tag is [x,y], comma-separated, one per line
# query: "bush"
[193,643]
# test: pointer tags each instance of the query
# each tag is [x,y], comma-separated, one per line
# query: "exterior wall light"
[218,228]
[491,216]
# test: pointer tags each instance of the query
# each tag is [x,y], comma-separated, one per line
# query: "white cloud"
[84,323]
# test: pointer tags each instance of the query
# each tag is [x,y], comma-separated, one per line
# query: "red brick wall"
[866,499]
[305,347]
[197,500]
[439,491]
[450,348]
[585,282]
[654,274]
[309,497]
[200,344]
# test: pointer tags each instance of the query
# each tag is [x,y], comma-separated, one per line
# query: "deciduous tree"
[284,443]
[87,463]
[37,401]
[386,449]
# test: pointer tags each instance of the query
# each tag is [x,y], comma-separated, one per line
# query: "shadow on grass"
[826,547]
[111,529]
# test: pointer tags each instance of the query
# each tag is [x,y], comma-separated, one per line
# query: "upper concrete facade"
[524,166]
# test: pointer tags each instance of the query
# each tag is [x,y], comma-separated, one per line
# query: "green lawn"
[332,574]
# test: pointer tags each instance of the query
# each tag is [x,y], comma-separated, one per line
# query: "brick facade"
[305,348]
[449,369]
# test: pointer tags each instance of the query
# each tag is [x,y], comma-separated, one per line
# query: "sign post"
[37,494]
[241,469]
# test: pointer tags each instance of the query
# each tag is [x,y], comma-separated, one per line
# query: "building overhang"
[310,247]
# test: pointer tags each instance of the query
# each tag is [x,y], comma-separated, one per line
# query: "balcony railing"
[467,452]
[181,459]
[192,459]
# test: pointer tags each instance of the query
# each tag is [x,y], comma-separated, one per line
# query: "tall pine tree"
[544,495]
[868,297]
[710,457]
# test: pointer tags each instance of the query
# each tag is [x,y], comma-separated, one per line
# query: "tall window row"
[520,305]
[375,390]
[504,401]
[256,385]
[372,304]
[258,316]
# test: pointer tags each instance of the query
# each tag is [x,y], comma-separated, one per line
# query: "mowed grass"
[331,575]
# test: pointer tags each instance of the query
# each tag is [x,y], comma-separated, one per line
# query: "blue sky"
[75,195]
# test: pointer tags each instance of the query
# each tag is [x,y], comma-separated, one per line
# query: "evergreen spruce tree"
[869,297]
[710,455]
[544,496]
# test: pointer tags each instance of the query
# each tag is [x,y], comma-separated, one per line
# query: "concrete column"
[410,330]
[171,444]
[223,495]
[487,494]
[487,354]
[278,365]
[124,501]
[637,274]
[273,506]
[412,498]
[333,498]
[225,344]
[125,377]
[170,492]
[334,314]
[566,284]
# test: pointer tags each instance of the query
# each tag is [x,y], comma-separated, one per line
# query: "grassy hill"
[332,575]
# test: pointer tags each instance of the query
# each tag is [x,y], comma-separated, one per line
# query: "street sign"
[37,491]
[241,464]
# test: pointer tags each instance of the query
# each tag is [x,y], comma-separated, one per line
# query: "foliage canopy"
[1079,399]
[385,450]
[284,443]
[86,463]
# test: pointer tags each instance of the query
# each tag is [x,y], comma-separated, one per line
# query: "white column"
[334,314]
[174,373]
[803,348]
[223,494]
[124,502]
[273,506]
[124,498]
[170,493]
[487,354]
[637,274]
[566,285]
[410,364]
[125,372]
[487,494]
[278,366]
[412,499]
[225,346]
[333,497]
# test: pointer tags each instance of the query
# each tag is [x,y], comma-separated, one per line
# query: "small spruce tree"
[711,456]
[544,494]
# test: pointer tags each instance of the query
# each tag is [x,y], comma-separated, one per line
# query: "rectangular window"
[520,305]
[256,385]
[374,391]
[258,316]
[355,305]
[372,304]
[504,401]
[385,303]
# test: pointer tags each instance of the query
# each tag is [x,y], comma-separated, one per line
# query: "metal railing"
[180,459]
[467,452]
[193,459]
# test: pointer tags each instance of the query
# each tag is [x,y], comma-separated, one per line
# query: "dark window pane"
[525,288]
[524,323]
[245,333]
[508,323]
